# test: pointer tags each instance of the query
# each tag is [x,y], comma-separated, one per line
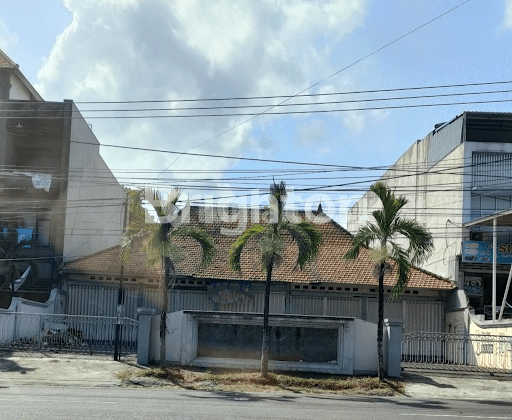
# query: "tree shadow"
[8,365]
[420,379]
[500,403]
[243,396]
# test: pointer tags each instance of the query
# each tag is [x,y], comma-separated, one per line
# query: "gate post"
[393,333]
[144,335]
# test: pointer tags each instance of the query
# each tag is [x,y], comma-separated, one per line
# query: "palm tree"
[159,241]
[272,242]
[14,259]
[389,230]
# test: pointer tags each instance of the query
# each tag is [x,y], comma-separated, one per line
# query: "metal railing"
[489,353]
[22,331]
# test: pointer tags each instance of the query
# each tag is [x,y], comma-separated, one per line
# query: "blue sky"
[150,49]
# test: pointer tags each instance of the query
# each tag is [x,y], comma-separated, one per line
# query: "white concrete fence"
[336,345]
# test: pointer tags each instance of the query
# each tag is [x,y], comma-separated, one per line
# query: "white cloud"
[151,49]
[507,21]
[7,39]
[312,133]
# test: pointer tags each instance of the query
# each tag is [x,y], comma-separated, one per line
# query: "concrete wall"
[94,213]
[19,91]
[356,341]
[365,348]
[432,201]
[54,305]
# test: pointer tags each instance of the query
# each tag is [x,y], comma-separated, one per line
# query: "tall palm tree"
[14,259]
[159,241]
[272,242]
[388,232]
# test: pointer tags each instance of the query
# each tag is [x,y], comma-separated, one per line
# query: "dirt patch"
[222,380]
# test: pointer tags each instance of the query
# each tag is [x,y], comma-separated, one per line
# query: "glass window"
[23,233]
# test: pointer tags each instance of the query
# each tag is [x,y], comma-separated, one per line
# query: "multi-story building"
[459,172]
[54,185]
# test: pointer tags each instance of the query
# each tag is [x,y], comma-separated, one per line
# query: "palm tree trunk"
[266,336]
[380,325]
[163,314]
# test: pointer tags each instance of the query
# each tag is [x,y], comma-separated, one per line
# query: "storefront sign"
[481,252]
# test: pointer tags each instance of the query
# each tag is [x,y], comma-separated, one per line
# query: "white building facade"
[459,172]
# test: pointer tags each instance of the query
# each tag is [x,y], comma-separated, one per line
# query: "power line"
[245,114]
[298,95]
[399,98]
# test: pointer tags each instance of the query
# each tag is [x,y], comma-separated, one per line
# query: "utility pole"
[120,296]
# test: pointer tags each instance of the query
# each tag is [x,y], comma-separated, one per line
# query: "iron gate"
[468,352]
[65,333]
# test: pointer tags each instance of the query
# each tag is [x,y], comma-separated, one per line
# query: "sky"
[147,50]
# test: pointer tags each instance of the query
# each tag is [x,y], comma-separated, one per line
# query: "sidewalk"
[103,372]
[60,371]
[457,385]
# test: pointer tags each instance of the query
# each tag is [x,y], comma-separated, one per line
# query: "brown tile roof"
[329,266]
[6,62]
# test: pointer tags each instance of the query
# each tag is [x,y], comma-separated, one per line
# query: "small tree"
[272,243]
[159,241]
[14,259]
[388,229]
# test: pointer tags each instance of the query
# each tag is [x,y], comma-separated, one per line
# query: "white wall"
[18,91]
[357,342]
[433,200]
[94,215]
[365,348]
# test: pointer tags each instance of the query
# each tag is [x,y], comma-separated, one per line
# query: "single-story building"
[328,286]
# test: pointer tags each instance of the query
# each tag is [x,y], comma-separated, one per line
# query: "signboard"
[481,252]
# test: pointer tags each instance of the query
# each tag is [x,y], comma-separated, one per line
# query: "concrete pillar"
[393,332]
[144,335]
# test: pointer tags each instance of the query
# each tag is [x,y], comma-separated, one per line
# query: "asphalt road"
[44,402]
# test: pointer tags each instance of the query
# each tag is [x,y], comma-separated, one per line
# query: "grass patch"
[223,380]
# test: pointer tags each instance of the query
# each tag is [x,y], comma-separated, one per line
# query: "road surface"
[72,402]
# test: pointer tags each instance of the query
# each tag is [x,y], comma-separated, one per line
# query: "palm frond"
[403,265]
[391,205]
[271,246]
[202,237]
[420,240]
[235,253]
[308,239]
[362,239]
[155,198]
[137,227]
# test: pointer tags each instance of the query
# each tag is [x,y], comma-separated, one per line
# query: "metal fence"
[470,352]
[49,332]
[425,314]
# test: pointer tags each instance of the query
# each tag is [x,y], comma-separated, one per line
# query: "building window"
[485,205]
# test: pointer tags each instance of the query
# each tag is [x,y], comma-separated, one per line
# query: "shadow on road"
[242,396]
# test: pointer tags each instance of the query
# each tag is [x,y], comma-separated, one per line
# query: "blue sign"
[481,252]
